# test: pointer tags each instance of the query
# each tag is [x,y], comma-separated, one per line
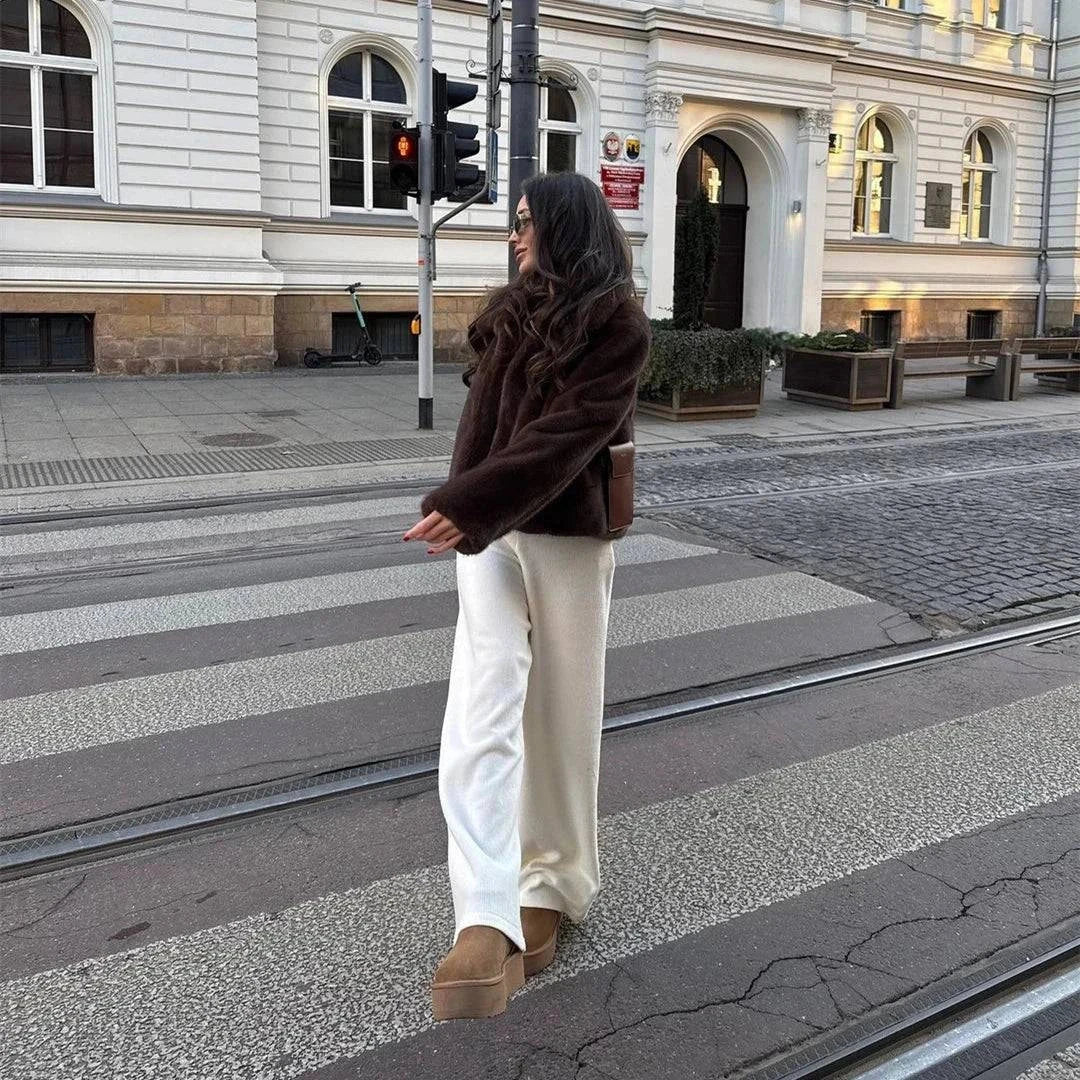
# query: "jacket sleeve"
[513,484]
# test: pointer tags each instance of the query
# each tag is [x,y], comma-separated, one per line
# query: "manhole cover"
[277,414]
[240,438]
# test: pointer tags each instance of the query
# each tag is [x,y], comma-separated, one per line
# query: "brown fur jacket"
[534,460]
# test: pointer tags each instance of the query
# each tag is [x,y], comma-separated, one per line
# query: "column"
[662,136]
[808,225]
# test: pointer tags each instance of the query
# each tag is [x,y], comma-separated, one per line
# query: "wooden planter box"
[728,404]
[841,380]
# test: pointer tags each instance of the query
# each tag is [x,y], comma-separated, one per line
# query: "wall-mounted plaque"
[938,205]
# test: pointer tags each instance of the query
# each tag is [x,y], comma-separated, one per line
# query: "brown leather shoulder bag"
[620,493]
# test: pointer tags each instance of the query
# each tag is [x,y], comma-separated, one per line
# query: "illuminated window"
[875,160]
[978,180]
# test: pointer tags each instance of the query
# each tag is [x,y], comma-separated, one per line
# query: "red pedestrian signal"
[405,159]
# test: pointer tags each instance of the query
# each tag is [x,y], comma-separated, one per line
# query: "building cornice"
[867,62]
[144,215]
[900,247]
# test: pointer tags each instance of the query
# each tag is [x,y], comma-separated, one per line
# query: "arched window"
[977,191]
[560,127]
[875,159]
[365,95]
[47,77]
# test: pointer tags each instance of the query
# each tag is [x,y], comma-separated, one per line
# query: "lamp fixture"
[836,142]
[796,206]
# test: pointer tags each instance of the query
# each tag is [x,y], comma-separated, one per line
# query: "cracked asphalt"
[775,878]
[960,529]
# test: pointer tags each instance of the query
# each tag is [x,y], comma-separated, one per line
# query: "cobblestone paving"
[957,553]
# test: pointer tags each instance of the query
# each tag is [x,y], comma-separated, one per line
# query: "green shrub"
[834,341]
[706,360]
[1062,331]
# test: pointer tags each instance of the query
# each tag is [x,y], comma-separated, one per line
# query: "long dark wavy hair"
[583,271]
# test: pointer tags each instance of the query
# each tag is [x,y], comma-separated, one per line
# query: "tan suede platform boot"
[477,976]
[541,929]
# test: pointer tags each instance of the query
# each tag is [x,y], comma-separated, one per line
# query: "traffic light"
[454,141]
[405,159]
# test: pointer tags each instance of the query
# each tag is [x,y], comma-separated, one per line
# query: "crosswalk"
[194,676]
[147,670]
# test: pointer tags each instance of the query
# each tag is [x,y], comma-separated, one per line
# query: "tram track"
[39,852]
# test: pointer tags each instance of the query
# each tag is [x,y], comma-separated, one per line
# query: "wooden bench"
[1052,360]
[989,371]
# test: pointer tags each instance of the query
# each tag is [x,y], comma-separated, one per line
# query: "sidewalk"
[51,418]
[114,441]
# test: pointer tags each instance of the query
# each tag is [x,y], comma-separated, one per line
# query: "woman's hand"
[440,532]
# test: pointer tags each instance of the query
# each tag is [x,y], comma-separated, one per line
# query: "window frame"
[366,107]
[988,21]
[967,168]
[994,315]
[37,62]
[559,127]
[864,159]
[44,333]
[893,315]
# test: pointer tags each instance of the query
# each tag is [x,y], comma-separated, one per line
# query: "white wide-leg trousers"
[520,750]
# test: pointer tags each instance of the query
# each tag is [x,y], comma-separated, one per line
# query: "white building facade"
[190,184]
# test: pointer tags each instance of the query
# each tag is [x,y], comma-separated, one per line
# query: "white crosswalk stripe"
[127,618]
[277,995]
[158,532]
[74,719]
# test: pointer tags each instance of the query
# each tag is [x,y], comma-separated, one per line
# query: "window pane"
[21,342]
[560,104]
[346,182]
[15,25]
[15,96]
[69,158]
[985,151]
[863,142]
[561,152]
[347,78]
[386,196]
[68,100]
[65,340]
[386,84]
[346,135]
[858,218]
[883,143]
[16,156]
[982,204]
[965,203]
[61,33]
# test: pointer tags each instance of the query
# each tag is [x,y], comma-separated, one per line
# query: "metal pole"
[426,367]
[1048,164]
[524,103]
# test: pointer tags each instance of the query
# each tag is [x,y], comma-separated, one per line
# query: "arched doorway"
[710,164]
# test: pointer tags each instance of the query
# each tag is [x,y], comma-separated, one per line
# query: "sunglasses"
[520,223]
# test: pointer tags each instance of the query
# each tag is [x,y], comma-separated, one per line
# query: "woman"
[553,384]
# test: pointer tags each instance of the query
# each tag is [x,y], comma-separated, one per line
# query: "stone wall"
[166,333]
[941,318]
[305,321]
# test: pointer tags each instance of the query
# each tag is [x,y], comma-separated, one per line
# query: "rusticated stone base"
[943,318]
[166,333]
[305,321]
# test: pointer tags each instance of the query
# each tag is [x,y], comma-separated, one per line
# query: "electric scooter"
[366,351]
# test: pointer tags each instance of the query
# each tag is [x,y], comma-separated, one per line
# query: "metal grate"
[34,474]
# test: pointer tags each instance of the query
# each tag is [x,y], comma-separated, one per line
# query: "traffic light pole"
[524,103]
[424,260]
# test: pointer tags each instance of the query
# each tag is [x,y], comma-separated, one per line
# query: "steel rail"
[36,853]
[980,996]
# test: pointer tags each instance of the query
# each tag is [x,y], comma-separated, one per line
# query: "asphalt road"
[775,876]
